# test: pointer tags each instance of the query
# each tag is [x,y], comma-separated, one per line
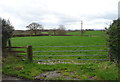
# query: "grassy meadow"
[90,33]
[89,70]
[39,43]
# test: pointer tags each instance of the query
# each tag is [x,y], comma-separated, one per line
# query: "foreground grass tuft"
[107,71]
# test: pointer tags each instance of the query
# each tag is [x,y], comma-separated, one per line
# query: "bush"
[7,30]
[114,41]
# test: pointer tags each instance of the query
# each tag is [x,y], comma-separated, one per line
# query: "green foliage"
[7,30]
[114,40]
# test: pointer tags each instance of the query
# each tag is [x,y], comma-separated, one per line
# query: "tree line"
[36,29]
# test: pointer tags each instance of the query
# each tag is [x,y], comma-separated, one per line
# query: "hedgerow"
[114,41]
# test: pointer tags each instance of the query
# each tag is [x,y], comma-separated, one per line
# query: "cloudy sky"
[95,14]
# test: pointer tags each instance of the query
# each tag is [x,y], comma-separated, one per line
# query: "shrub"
[114,40]
[7,30]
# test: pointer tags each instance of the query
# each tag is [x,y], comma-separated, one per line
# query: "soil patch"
[54,75]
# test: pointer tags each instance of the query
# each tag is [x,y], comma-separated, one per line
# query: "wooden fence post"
[9,45]
[30,53]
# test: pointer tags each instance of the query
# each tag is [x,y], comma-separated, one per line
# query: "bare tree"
[34,27]
[61,30]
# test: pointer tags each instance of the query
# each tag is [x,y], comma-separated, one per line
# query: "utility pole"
[119,9]
[81,27]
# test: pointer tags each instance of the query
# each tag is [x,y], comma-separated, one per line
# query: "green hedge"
[114,40]
[7,30]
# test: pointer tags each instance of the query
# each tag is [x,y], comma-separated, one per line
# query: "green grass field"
[89,70]
[58,41]
[42,41]
[91,33]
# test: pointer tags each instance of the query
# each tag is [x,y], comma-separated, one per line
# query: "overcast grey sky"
[96,14]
